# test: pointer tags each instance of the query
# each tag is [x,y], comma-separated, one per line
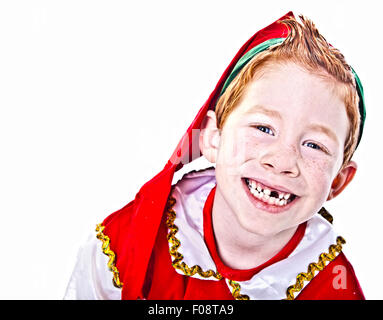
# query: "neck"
[240,248]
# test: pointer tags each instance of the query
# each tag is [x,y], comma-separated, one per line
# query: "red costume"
[152,255]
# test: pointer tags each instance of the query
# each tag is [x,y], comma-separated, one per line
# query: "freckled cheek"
[237,148]
[318,174]
[250,146]
[234,152]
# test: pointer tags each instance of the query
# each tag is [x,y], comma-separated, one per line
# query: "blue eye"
[265,130]
[313,146]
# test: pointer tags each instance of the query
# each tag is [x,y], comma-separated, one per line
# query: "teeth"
[287,196]
[264,194]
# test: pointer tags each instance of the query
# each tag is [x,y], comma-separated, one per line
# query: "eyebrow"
[264,110]
[327,131]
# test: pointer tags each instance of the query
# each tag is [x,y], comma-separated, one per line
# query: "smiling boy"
[281,127]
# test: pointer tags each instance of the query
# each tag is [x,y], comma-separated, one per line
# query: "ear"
[342,179]
[209,137]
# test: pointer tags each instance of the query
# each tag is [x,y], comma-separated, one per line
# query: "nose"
[281,159]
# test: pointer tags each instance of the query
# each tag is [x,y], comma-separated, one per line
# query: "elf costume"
[161,245]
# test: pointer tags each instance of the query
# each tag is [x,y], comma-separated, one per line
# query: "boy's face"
[285,137]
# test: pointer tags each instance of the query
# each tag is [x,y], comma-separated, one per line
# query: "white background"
[95,95]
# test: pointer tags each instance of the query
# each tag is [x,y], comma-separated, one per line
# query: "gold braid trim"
[178,257]
[112,256]
[325,214]
[236,291]
[324,258]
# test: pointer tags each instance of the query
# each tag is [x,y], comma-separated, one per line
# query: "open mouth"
[269,196]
